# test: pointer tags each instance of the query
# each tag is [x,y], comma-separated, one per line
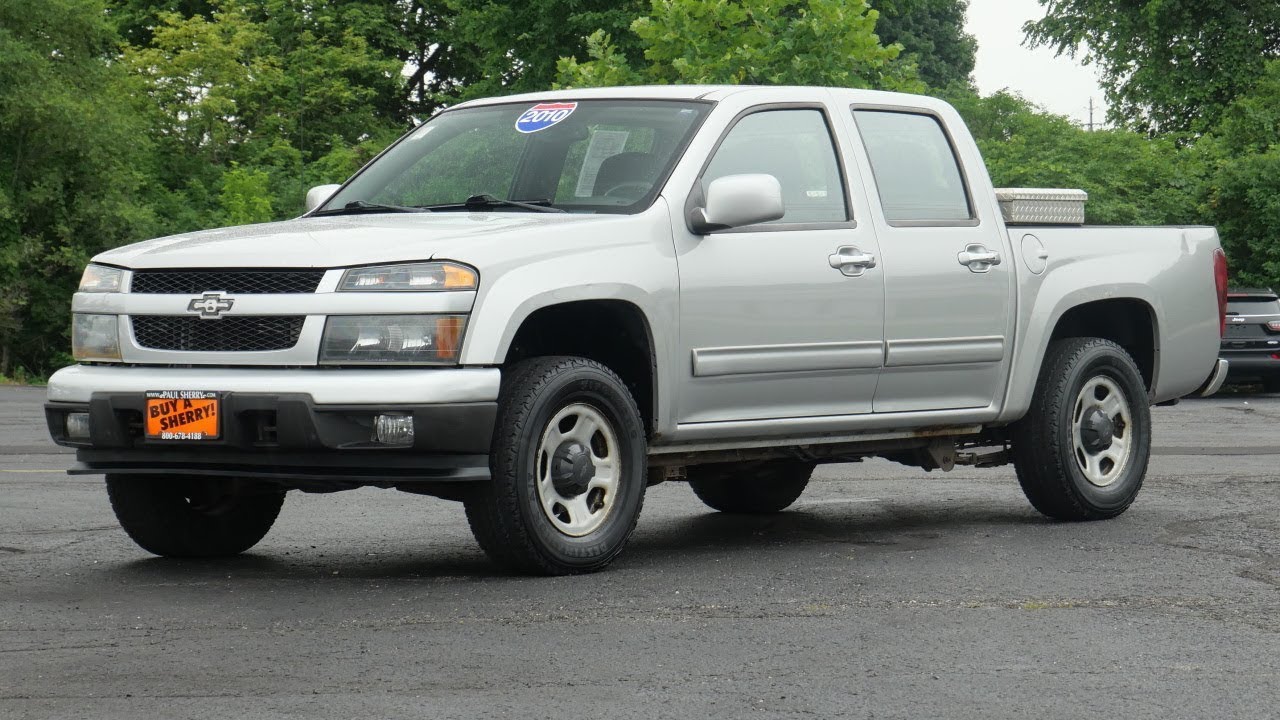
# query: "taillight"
[1220,279]
[1274,326]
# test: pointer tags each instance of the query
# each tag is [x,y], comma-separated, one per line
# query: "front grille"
[238,333]
[240,282]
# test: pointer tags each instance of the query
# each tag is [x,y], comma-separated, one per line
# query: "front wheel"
[568,465]
[1081,451]
[191,516]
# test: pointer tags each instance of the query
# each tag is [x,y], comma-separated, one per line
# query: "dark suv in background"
[1252,339]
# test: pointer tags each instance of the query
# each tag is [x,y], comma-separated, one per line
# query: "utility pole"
[1091,114]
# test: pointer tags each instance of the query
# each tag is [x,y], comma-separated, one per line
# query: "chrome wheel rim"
[1101,431]
[578,469]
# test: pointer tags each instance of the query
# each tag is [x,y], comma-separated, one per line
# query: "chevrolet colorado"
[539,305]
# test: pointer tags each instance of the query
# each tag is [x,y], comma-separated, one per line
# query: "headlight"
[392,339]
[411,277]
[100,278]
[95,337]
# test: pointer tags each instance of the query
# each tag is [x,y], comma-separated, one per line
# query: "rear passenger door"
[948,276]
[771,326]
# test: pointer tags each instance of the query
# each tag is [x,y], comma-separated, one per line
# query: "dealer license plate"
[183,415]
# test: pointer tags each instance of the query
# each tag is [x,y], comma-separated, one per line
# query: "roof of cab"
[700,92]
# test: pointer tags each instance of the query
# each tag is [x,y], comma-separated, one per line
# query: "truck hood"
[328,242]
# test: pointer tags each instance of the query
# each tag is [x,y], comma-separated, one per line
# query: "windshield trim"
[637,207]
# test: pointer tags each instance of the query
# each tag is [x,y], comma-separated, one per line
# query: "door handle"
[851,261]
[978,258]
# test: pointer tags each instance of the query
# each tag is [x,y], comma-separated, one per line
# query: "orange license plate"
[183,415]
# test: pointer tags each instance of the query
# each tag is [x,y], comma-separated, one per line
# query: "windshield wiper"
[360,206]
[484,200]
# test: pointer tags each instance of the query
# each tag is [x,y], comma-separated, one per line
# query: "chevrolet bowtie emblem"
[210,306]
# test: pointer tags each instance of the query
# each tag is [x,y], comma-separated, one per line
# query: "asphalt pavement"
[886,592]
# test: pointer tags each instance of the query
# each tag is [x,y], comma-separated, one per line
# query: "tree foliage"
[274,85]
[1130,180]
[513,46]
[755,42]
[1244,192]
[73,160]
[1167,66]
[931,33]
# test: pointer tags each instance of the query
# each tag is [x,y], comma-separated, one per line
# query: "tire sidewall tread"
[1045,463]
[751,488]
[154,512]
[506,516]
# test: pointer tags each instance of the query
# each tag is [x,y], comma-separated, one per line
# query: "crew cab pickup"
[540,305]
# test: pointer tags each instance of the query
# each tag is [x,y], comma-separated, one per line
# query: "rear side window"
[795,147]
[915,168]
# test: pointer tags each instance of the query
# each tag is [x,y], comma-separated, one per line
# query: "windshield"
[590,156]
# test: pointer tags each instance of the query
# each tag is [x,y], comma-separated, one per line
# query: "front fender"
[635,264]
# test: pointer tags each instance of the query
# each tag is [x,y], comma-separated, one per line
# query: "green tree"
[1244,194]
[1131,180]
[499,47]
[73,154]
[1166,65]
[273,85]
[799,42]
[245,196]
[136,20]
[931,33]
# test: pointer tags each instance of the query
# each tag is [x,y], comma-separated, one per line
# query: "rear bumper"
[1252,365]
[1214,382]
[322,434]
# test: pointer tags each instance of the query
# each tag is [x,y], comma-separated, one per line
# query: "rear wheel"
[750,487]
[1081,451]
[193,517]
[1271,384]
[568,465]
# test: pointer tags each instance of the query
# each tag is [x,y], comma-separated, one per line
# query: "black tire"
[754,488]
[509,517]
[193,517]
[1271,384]
[1053,466]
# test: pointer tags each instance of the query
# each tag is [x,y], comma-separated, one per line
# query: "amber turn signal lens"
[449,337]
[457,277]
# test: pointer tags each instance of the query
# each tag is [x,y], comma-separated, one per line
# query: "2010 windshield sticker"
[543,116]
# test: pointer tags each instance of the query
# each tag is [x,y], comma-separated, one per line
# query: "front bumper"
[299,425]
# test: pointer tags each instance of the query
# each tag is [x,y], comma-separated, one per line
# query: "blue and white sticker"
[543,116]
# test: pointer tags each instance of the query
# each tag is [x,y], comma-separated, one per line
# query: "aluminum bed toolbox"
[1042,206]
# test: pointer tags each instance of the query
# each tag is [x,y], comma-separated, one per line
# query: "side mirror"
[318,194]
[738,200]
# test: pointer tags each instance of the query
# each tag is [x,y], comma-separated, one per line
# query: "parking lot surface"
[885,592]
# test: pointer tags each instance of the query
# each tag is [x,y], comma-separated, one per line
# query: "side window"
[915,167]
[795,147]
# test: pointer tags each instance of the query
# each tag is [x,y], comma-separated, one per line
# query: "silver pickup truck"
[539,305]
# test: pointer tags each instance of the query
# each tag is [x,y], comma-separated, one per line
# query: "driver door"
[770,325]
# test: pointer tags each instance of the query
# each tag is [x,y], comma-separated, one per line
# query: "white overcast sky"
[1060,84]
